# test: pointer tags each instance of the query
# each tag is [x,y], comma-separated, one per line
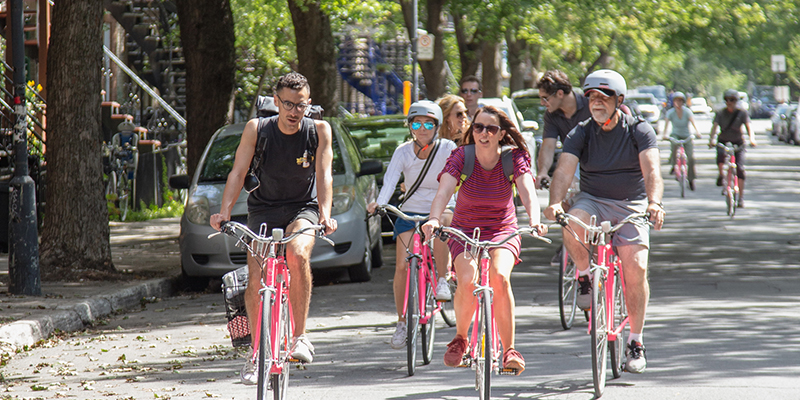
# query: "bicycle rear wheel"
[683,178]
[567,290]
[448,310]
[483,372]
[123,195]
[264,351]
[429,328]
[412,316]
[280,382]
[111,186]
[598,332]
[730,200]
[617,347]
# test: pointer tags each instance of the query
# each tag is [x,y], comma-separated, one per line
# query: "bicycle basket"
[234,284]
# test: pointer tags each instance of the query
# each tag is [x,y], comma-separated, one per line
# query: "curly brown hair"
[292,80]
[512,137]
[554,80]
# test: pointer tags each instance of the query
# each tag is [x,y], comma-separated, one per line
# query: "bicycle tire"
[123,195]
[111,186]
[567,290]
[730,200]
[448,309]
[683,179]
[412,316]
[264,351]
[617,347]
[428,330]
[280,382]
[483,372]
[598,333]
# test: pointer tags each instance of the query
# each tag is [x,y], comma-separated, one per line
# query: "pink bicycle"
[608,315]
[275,325]
[681,164]
[730,183]
[484,353]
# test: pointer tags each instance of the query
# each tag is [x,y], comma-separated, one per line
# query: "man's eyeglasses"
[416,125]
[731,99]
[490,129]
[473,91]
[288,105]
[545,99]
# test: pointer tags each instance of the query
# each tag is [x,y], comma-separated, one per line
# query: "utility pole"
[414,40]
[23,254]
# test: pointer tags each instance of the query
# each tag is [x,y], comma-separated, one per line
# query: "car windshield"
[219,161]
[531,108]
[379,139]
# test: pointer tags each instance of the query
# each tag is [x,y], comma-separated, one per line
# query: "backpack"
[506,157]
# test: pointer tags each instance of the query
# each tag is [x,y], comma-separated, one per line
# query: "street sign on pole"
[778,63]
[425,47]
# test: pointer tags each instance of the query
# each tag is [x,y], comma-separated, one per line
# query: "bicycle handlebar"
[732,148]
[382,210]
[679,141]
[604,227]
[230,228]
[444,233]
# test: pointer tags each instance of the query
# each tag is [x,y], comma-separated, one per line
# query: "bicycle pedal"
[295,361]
[509,371]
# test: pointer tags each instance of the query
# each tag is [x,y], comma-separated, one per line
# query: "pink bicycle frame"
[612,264]
[680,162]
[275,267]
[732,177]
[474,345]
[425,277]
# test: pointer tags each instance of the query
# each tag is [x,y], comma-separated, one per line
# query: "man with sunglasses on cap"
[471,91]
[296,160]
[620,175]
[731,118]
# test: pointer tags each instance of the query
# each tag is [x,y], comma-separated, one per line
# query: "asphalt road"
[722,322]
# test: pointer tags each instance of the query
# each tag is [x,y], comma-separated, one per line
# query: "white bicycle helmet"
[425,108]
[605,81]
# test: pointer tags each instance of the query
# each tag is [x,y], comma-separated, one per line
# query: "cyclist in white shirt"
[409,159]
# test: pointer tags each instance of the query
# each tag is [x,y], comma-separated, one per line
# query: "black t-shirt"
[557,126]
[609,161]
[730,125]
[287,171]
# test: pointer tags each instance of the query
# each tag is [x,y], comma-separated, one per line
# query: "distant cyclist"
[680,117]
[485,200]
[620,174]
[411,159]
[125,145]
[730,121]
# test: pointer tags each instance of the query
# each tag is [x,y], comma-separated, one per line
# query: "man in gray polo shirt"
[565,108]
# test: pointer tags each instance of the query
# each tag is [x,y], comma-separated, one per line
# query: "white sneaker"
[399,338]
[249,373]
[302,349]
[443,290]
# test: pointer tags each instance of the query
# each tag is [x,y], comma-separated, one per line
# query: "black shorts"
[282,216]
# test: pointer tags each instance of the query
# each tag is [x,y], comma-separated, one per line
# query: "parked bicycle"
[121,181]
[420,305]
[730,183]
[681,165]
[484,353]
[608,314]
[273,336]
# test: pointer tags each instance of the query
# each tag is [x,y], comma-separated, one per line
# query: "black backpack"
[506,157]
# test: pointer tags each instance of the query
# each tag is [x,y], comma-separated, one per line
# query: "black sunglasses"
[479,127]
[473,91]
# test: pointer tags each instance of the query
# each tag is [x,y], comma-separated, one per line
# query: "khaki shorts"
[636,232]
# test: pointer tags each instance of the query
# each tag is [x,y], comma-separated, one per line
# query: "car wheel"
[362,272]
[195,283]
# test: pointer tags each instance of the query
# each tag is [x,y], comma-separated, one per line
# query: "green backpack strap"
[506,157]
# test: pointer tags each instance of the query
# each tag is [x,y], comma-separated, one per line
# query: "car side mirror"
[179,181]
[370,167]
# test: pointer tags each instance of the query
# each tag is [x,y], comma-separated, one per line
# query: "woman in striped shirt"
[485,200]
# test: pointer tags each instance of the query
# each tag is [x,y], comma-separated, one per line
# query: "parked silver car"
[358,242]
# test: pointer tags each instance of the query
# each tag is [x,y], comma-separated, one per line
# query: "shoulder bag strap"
[422,174]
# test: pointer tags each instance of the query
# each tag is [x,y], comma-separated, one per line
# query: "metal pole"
[414,40]
[23,254]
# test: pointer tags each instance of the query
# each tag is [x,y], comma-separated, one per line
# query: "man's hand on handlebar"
[330,225]
[551,211]
[218,219]
[542,181]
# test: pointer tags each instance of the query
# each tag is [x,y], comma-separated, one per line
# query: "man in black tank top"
[288,174]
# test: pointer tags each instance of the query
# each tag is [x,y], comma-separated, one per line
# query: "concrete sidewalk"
[142,249]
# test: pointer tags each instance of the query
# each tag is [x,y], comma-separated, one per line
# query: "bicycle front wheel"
[730,200]
[412,316]
[111,186]
[123,195]
[617,347]
[567,289]
[429,328]
[483,372]
[683,179]
[264,350]
[448,310]
[280,382]
[599,321]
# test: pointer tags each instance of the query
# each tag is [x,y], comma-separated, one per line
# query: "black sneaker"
[635,355]
[691,185]
[584,299]
[719,180]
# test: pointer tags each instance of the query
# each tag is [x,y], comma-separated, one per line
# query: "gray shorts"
[282,216]
[636,232]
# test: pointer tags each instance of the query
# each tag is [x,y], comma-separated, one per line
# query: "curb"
[82,314]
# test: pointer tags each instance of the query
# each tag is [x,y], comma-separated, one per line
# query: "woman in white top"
[425,118]
[681,117]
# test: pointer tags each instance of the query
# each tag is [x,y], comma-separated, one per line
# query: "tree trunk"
[316,51]
[490,62]
[208,46]
[433,71]
[517,53]
[469,50]
[75,235]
